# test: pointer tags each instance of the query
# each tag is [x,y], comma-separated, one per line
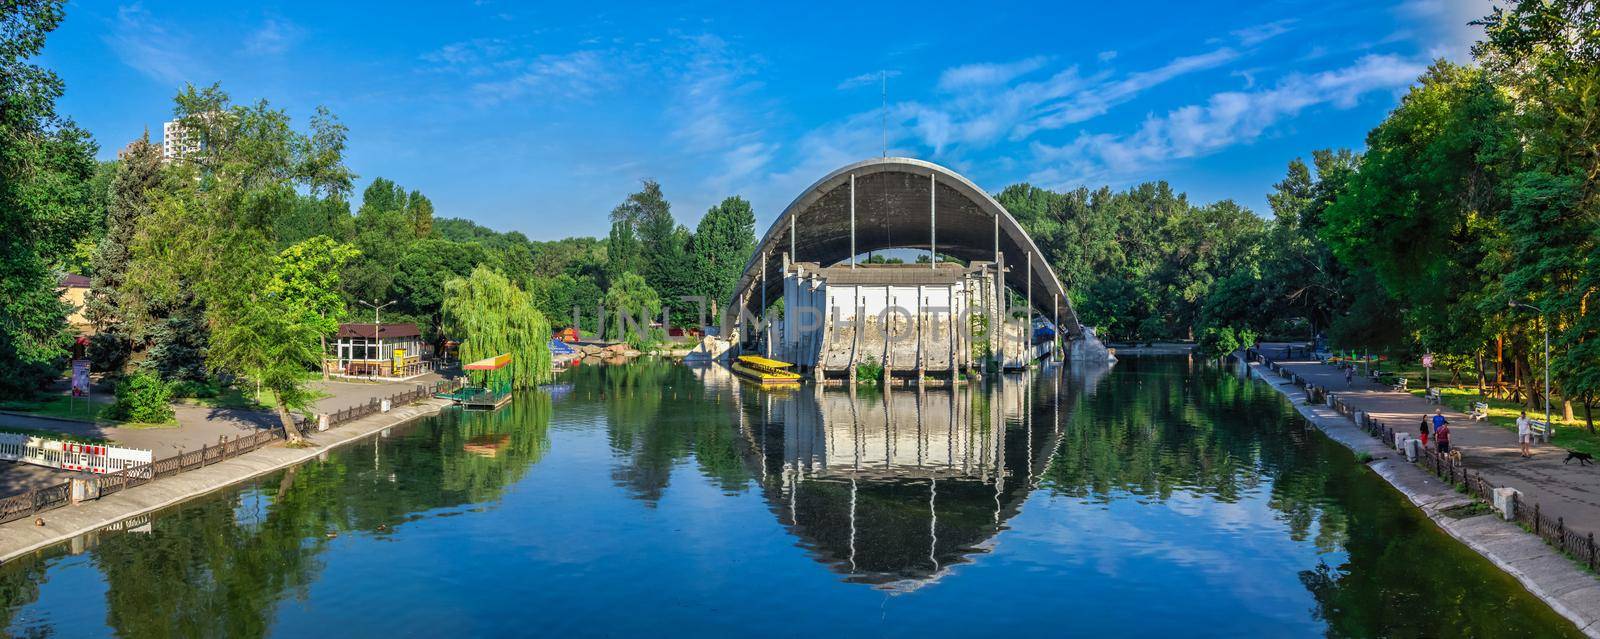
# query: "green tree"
[46,165]
[307,277]
[1546,55]
[271,341]
[420,209]
[420,276]
[491,317]
[722,245]
[1420,211]
[631,298]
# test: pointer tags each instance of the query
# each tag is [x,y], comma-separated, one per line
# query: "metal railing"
[1579,545]
[39,500]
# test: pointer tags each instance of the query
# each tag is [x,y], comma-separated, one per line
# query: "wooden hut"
[393,351]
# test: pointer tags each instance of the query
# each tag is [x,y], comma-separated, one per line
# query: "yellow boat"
[768,372]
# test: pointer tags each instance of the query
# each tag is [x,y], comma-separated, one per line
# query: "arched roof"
[892,211]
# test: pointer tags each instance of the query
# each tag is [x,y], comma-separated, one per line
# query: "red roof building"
[381,350]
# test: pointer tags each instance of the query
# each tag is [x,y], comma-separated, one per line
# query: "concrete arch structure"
[887,203]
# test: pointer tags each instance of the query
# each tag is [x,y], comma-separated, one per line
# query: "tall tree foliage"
[1421,209]
[46,166]
[631,305]
[208,242]
[491,316]
[307,277]
[722,244]
[1547,56]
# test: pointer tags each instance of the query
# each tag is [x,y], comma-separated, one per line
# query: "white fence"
[55,453]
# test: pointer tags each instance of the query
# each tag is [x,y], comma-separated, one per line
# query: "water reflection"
[894,486]
[1159,497]
[219,567]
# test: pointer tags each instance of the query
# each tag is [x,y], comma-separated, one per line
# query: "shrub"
[869,370]
[191,388]
[143,397]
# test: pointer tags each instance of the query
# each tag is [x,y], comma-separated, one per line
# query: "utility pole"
[1545,323]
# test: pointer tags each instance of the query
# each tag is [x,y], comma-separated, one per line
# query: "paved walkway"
[24,536]
[197,426]
[1562,490]
[1570,590]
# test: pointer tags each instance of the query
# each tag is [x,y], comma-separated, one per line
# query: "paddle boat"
[767,372]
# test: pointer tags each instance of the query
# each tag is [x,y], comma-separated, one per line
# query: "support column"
[933,221]
[955,337]
[1055,319]
[1027,329]
[852,222]
[766,339]
[997,309]
[792,254]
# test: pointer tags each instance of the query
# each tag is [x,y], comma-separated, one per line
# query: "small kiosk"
[381,351]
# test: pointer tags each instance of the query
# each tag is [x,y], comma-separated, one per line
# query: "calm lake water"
[1156,498]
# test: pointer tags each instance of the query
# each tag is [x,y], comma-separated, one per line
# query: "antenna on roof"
[883,77]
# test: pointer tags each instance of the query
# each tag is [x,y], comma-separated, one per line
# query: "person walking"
[1424,437]
[1349,375]
[1525,433]
[1441,431]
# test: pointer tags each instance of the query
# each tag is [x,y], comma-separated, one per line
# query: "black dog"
[1584,459]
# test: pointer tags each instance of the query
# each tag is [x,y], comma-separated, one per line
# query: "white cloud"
[1256,34]
[865,79]
[275,37]
[711,115]
[1097,101]
[1443,25]
[150,47]
[1225,120]
[474,57]
[575,75]
[1106,56]
[980,76]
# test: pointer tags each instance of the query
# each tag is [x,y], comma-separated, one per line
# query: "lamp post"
[375,306]
[1545,324]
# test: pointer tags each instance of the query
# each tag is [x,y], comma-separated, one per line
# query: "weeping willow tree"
[491,316]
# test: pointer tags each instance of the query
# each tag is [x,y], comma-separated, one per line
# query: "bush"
[143,397]
[191,388]
[869,370]
[1218,341]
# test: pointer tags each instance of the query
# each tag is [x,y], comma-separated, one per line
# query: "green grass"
[67,407]
[240,399]
[63,407]
[51,434]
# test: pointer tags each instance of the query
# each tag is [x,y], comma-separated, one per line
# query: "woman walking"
[1525,434]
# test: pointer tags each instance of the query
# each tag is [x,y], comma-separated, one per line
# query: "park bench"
[1480,411]
[1540,429]
[1399,385]
[1434,396]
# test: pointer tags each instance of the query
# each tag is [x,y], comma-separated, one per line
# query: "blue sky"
[541,117]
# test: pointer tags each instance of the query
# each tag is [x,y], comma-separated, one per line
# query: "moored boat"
[768,372]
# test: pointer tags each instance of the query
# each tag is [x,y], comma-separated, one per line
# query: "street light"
[375,306]
[1545,323]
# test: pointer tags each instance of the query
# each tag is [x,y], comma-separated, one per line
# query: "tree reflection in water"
[218,567]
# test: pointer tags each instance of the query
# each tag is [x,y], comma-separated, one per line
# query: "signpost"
[80,382]
[1427,371]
